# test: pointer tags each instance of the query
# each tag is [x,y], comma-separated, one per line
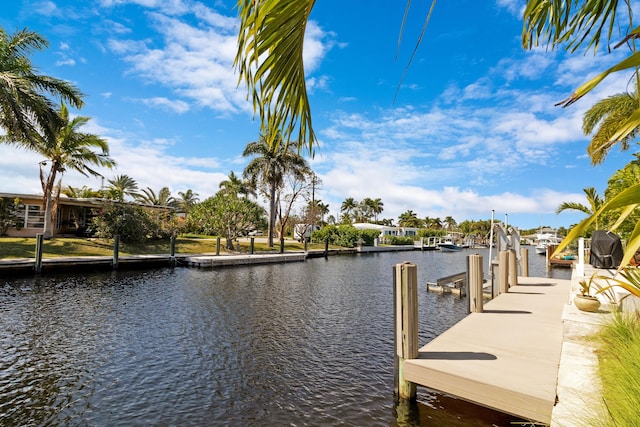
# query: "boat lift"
[507,239]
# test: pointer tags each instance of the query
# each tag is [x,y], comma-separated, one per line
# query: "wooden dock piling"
[513,268]
[405,299]
[503,272]
[39,248]
[475,281]
[524,261]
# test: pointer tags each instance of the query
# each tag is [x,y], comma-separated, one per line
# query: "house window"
[33,215]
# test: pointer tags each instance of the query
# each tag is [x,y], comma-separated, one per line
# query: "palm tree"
[81,193]
[235,186]
[163,198]
[187,200]
[70,149]
[606,115]
[348,206]
[409,219]
[594,200]
[269,167]
[366,208]
[121,186]
[377,207]
[450,223]
[435,223]
[25,109]
[315,208]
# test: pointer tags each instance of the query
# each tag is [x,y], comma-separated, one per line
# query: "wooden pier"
[506,357]
[220,261]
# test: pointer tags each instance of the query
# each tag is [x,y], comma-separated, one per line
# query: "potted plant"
[584,300]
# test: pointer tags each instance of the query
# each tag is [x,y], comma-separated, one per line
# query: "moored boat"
[544,240]
[449,245]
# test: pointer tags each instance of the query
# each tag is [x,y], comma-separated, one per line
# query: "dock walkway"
[507,357]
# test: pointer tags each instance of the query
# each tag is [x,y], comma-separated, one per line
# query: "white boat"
[544,240]
[449,245]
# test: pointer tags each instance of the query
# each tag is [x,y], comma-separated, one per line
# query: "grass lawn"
[18,247]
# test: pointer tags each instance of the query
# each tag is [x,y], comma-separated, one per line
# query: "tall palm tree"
[268,167]
[235,185]
[121,186]
[69,149]
[377,207]
[188,199]
[348,206]
[25,109]
[366,207]
[594,200]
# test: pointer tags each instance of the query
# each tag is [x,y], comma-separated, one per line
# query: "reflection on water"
[300,344]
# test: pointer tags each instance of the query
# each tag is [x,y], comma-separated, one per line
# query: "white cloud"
[67,61]
[317,43]
[515,7]
[175,105]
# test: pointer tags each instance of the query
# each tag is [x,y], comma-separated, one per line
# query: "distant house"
[387,231]
[73,216]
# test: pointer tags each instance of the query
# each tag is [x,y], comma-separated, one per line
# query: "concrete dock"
[226,260]
[506,358]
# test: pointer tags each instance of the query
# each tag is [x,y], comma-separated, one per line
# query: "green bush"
[431,232]
[344,235]
[401,240]
[368,236]
[8,215]
[134,224]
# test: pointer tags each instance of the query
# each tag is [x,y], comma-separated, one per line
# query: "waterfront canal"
[307,343]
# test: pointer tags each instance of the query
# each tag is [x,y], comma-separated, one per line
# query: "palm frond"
[269,60]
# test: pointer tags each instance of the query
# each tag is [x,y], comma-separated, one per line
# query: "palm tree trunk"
[272,214]
[48,208]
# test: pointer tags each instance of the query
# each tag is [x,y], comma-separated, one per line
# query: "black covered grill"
[606,250]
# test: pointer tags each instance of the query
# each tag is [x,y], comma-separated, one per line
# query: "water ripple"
[300,344]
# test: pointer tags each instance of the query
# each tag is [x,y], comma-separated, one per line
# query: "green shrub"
[134,224]
[401,240]
[431,232]
[8,215]
[342,235]
[348,236]
[368,236]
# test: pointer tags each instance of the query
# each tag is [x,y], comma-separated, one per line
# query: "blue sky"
[473,127]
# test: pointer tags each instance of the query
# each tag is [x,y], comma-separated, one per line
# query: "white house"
[387,231]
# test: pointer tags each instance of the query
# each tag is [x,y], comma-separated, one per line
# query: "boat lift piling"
[405,300]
